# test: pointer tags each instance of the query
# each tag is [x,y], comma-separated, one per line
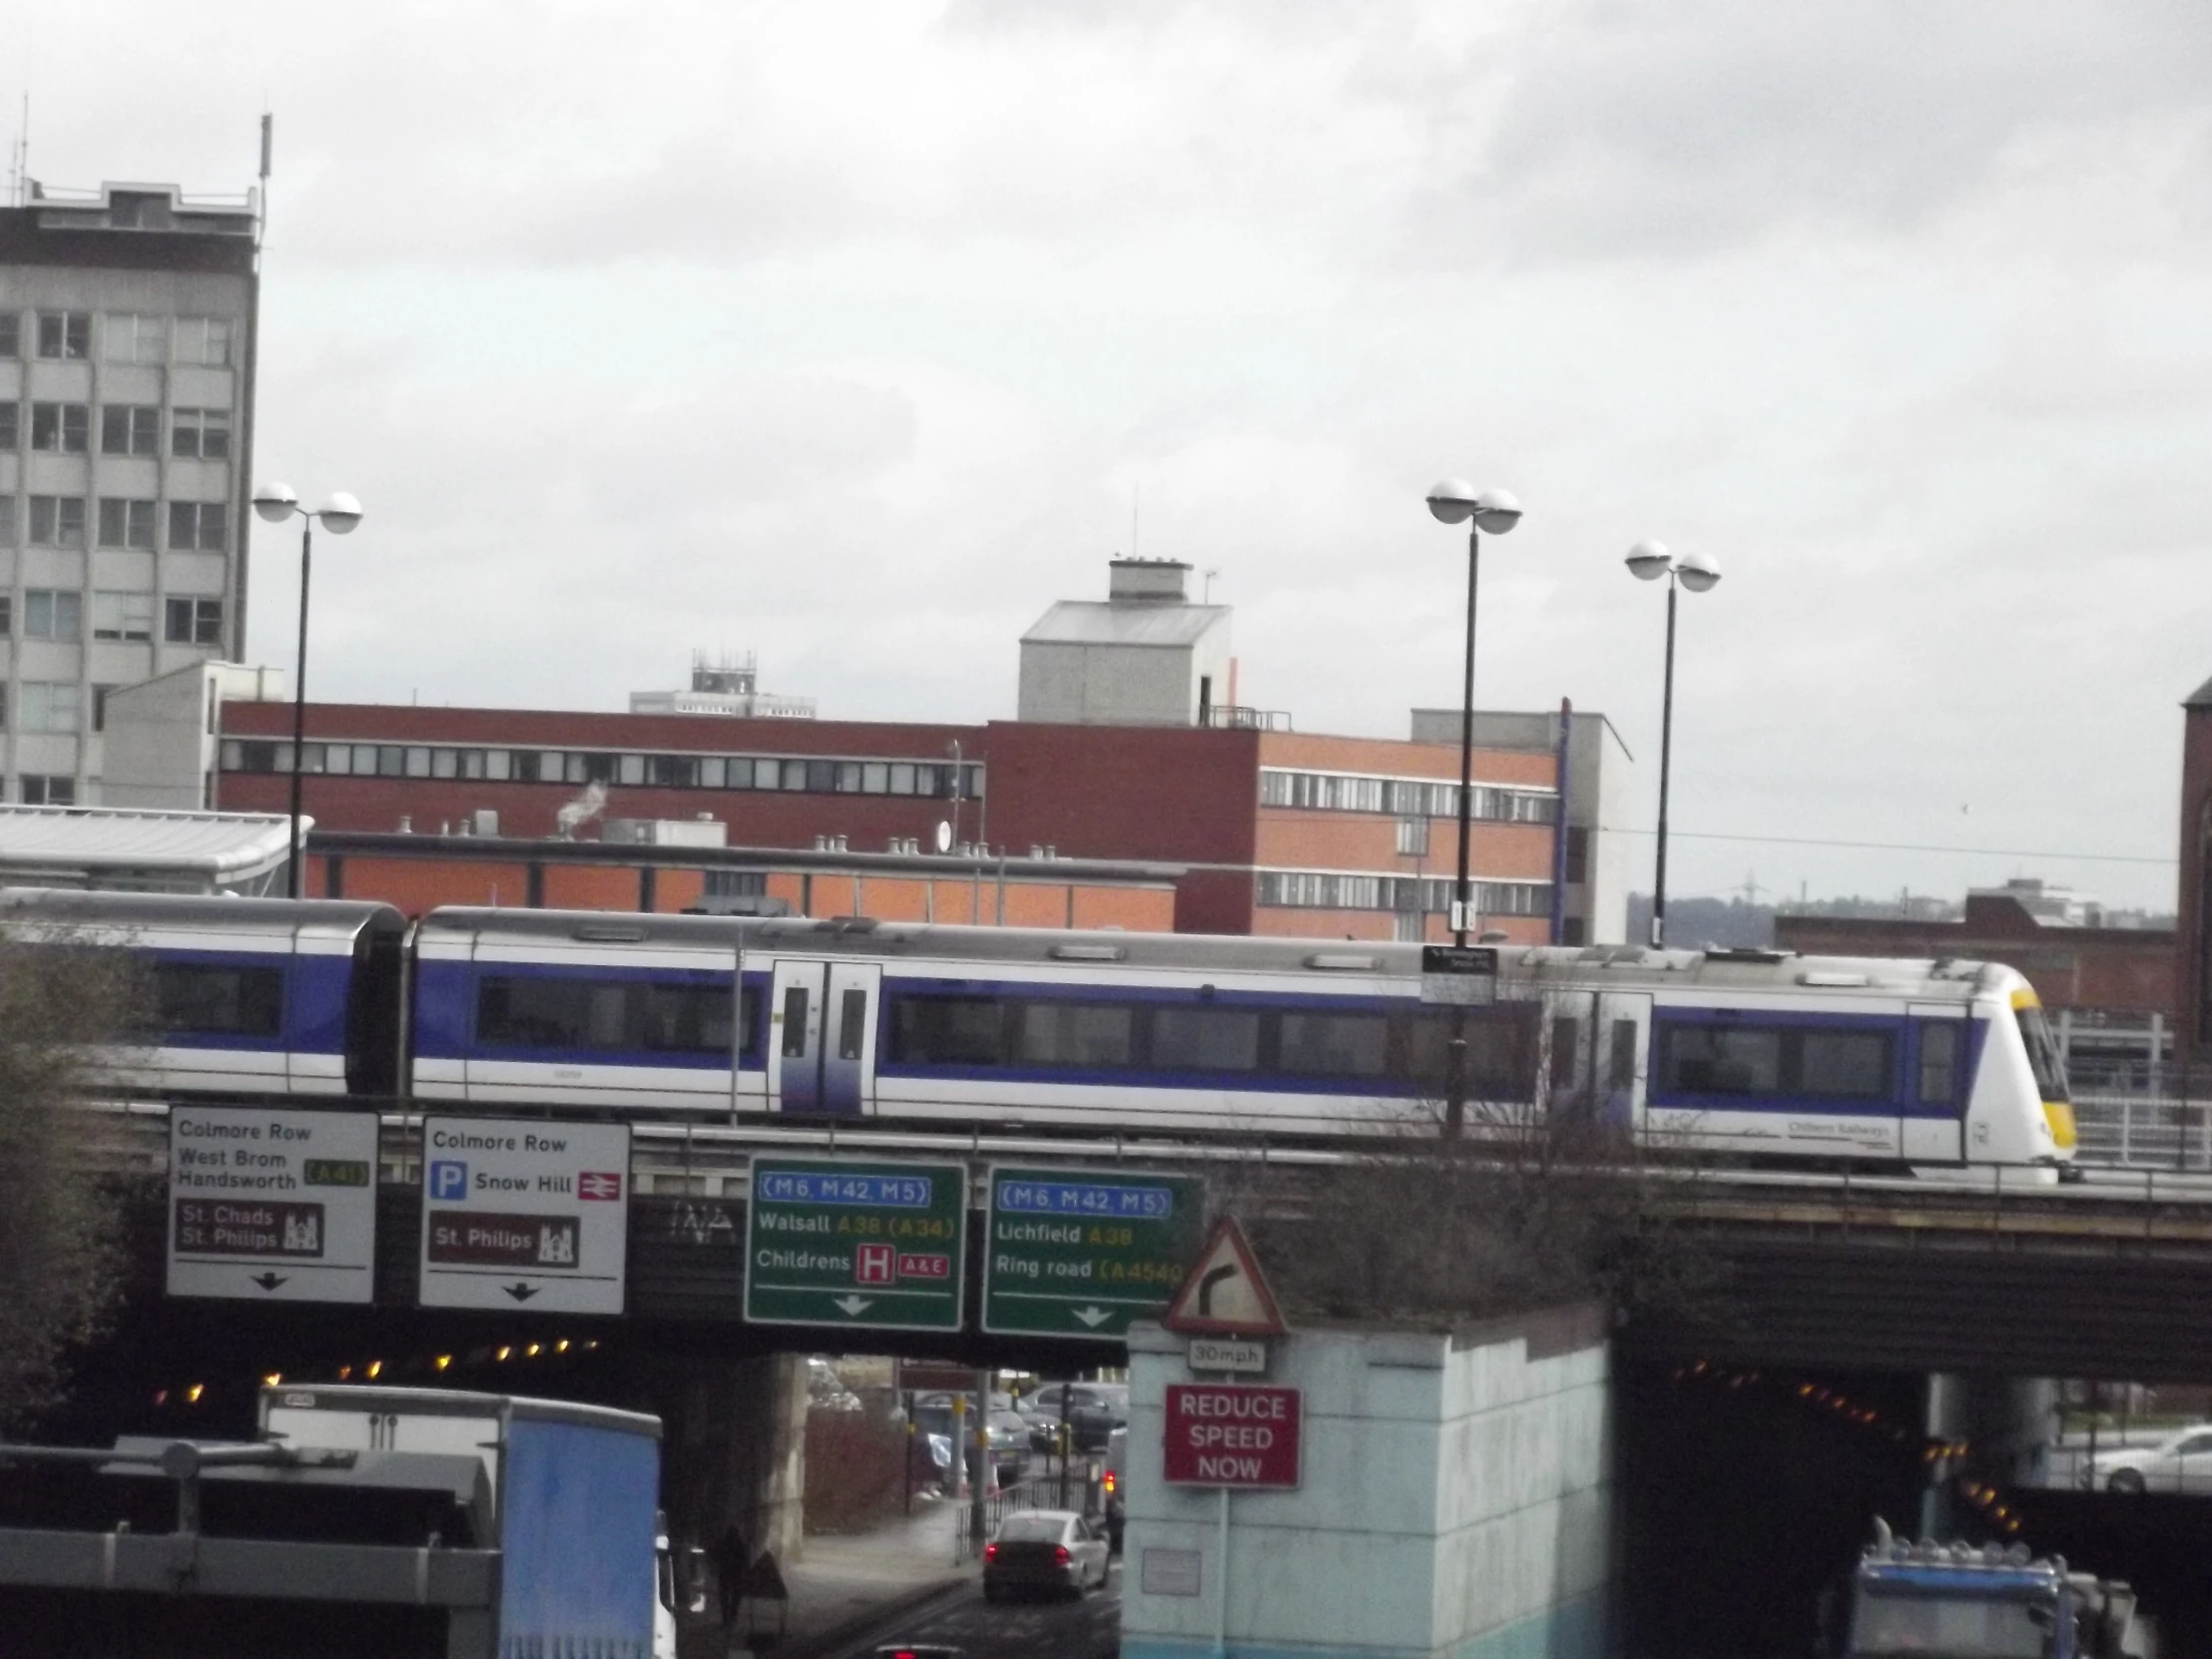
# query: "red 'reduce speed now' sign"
[1232,1434]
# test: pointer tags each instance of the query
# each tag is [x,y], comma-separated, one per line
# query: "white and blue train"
[1756,1053]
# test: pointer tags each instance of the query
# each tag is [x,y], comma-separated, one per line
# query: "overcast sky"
[852,333]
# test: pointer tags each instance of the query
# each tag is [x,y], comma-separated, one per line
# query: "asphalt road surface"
[1086,1629]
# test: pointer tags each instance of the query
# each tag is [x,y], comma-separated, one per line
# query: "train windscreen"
[2043,1056]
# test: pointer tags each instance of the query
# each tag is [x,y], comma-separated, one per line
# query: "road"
[1086,1629]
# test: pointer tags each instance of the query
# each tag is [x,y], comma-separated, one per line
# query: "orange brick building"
[1272,831]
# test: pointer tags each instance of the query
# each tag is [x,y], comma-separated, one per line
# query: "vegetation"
[60,1245]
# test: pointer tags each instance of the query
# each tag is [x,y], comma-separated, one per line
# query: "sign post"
[1462,974]
[875,1245]
[1081,1253]
[272,1206]
[518,1213]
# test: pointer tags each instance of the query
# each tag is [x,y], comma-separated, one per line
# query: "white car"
[2181,1462]
[1054,1550]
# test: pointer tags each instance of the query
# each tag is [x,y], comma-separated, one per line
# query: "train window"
[228,1001]
[852,1023]
[1620,1070]
[1844,1065]
[2043,1056]
[1566,1042]
[1206,1039]
[1719,1059]
[949,1031]
[1334,1045]
[620,1014]
[1076,1034]
[1938,1062]
[1500,1061]
[795,1021]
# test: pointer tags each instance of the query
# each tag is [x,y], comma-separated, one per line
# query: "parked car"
[1009,1435]
[1110,1484]
[2181,1462]
[1052,1550]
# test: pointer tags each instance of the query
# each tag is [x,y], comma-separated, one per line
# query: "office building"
[125,429]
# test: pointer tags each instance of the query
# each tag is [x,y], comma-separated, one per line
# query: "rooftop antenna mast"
[19,159]
[1136,501]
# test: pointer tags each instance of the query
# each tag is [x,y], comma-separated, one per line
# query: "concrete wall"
[1456,1501]
[1105,683]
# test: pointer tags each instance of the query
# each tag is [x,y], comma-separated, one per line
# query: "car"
[2181,1462]
[1110,1479]
[1093,1410]
[918,1650]
[1052,1550]
[1009,1435]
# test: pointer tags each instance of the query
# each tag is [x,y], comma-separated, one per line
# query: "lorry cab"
[1959,1601]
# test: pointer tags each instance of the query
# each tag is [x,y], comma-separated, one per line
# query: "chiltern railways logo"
[597,1184]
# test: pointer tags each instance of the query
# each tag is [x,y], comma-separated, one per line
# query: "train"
[1759,1054]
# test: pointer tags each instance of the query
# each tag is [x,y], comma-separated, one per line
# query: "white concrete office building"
[127,322]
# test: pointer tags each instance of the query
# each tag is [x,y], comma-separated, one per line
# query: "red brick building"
[1279,833]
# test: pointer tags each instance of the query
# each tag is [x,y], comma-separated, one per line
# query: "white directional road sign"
[525,1214]
[272,1206]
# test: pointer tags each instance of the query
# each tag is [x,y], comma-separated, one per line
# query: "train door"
[1932,1127]
[821,1036]
[1623,1058]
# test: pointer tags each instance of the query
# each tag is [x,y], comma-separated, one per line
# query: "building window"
[7,521]
[100,707]
[1406,796]
[135,340]
[65,333]
[1413,838]
[130,429]
[11,429]
[49,791]
[51,706]
[7,618]
[61,429]
[203,339]
[49,614]
[126,523]
[737,884]
[199,435]
[57,521]
[200,622]
[123,616]
[11,334]
[201,526]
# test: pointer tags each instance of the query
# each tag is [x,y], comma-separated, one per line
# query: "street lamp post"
[1455,502]
[1649,560]
[339,515]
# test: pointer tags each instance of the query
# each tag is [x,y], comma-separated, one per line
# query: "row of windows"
[1406,796]
[637,1017]
[58,614]
[1805,1062]
[936,781]
[125,429]
[123,522]
[125,337]
[1320,890]
[1407,1047]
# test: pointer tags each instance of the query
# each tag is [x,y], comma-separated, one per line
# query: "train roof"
[196,910]
[1625,966]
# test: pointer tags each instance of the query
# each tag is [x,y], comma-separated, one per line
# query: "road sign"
[1081,1253]
[1227,1354]
[1466,974]
[1225,1295]
[272,1206]
[525,1214]
[1237,1434]
[873,1245]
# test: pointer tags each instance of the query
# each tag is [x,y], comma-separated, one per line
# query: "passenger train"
[1757,1053]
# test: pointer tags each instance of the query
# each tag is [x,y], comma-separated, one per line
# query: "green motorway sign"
[836,1242]
[1081,1253]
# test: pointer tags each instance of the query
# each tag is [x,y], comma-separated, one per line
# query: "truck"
[1991,1601]
[399,1522]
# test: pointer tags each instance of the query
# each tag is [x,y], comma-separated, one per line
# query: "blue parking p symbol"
[448,1179]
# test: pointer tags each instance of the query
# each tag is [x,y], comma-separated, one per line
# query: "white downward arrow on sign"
[853,1303]
[1092,1317]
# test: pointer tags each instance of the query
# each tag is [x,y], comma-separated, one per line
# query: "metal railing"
[2144,1132]
[1036,1491]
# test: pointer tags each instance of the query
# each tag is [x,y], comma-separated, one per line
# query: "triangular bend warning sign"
[1225,1295]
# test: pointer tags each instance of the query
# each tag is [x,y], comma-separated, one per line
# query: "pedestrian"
[733,1556]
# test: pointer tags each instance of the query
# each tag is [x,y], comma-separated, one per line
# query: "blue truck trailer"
[362,1520]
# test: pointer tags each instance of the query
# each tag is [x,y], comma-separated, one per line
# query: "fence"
[1037,1491]
[2144,1132]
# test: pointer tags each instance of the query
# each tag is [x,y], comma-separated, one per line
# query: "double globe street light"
[339,515]
[1455,501]
[1649,561]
